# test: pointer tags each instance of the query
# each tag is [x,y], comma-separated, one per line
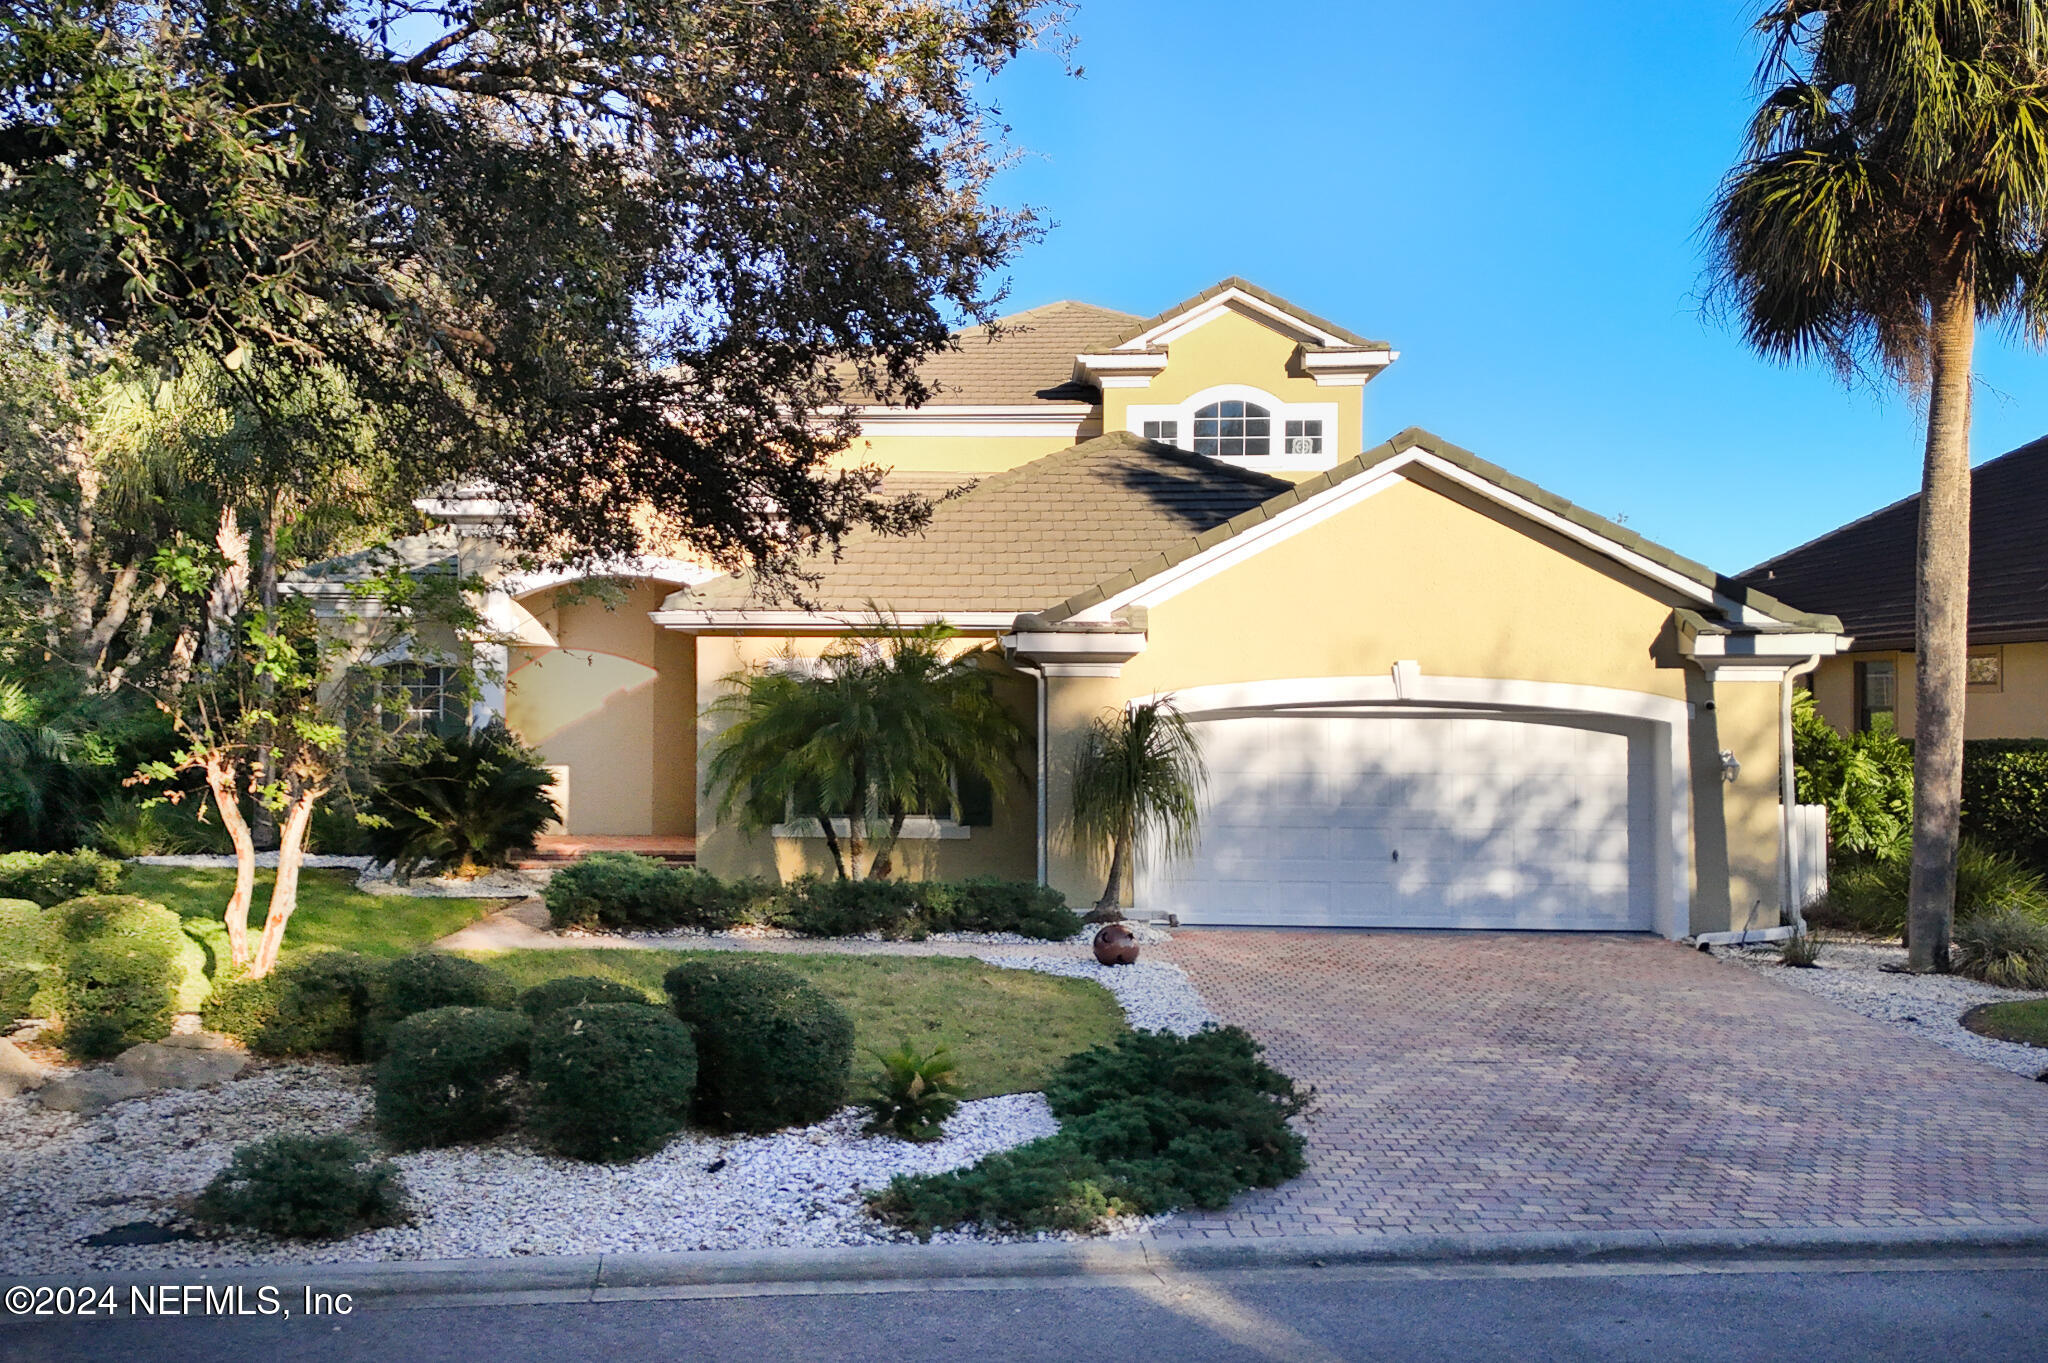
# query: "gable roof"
[1864,571]
[1026,538]
[1401,449]
[1026,357]
[1235,283]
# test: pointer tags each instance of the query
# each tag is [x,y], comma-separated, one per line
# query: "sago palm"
[883,728]
[1137,782]
[1894,191]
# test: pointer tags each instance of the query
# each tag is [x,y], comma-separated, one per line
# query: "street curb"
[601,1277]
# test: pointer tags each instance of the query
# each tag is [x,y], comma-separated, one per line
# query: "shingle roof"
[434,551]
[1023,358]
[1028,537]
[1863,572]
[1140,570]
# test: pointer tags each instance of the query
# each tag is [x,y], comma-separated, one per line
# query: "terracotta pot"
[1115,945]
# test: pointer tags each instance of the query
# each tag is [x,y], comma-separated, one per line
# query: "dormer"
[1240,375]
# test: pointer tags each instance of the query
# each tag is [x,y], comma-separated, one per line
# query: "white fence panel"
[1809,853]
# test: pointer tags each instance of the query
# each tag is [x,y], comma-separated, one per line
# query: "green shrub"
[1801,952]
[1865,779]
[2006,948]
[914,1093]
[621,890]
[307,1187]
[990,904]
[2005,797]
[574,991]
[462,803]
[132,826]
[772,1051]
[1152,1123]
[424,980]
[452,1074]
[611,1081]
[816,907]
[1871,896]
[28,943]
[52,877]
[315,1005]
[124,967]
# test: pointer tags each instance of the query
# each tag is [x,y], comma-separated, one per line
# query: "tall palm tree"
[1138,778]
[1894,190]
[885,727]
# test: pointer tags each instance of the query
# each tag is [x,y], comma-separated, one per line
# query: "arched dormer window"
[1233,429]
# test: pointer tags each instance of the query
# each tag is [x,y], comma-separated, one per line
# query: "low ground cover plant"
[772,1051]
[913,1093]
[50,878]
[306,1187]
[624,892]
[451,1075]
[611,1081]
[123,969]
[2023,1020]
[1152,1123]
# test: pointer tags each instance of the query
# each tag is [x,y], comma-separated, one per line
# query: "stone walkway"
[1500,1082]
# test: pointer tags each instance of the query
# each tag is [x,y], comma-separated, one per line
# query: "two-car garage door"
[1399,819]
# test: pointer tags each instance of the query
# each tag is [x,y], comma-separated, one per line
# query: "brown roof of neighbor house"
[1863,572]
[1028,537]
[1024,358]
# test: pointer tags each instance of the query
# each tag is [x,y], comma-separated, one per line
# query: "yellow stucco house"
[1863,573]
[1429,693]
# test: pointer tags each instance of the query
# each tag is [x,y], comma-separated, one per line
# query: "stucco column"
[1071,703]
[491,659]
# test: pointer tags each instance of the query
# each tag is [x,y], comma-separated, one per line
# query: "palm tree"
[1894,190]
[1138,778]
[885,727]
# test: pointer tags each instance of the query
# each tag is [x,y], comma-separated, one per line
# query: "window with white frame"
[420,696]
[1165,432]
[1304,437]
[1233,429]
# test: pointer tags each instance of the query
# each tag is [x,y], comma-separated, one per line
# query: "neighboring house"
[1863,573]
[1430,694]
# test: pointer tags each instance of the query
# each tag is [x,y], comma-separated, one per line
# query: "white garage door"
[1442,821]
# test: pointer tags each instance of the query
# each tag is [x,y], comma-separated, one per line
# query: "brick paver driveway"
[1503,1082]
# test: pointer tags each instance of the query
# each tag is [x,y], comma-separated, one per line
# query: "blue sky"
[1509,193]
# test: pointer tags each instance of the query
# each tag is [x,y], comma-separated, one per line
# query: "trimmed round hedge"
[28,942]
[124,967]
[611,1081]
[772,1051]
[310,1187]
[427,980]
[452,1074]
[312,1006]
[573,991]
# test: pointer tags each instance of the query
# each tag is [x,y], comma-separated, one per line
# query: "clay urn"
[1115,945]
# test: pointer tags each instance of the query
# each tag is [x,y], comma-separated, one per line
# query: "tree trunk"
[832,846]
[885,851]
[265,830]
[1943,613]
[1109,908]
[284,895]
[220,779]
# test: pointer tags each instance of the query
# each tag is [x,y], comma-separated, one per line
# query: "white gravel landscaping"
[1853,974]
[64,1177]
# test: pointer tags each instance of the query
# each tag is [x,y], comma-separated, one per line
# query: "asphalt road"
[1956,1310]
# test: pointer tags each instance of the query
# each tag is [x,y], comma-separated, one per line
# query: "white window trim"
[916,828]
[1281,413]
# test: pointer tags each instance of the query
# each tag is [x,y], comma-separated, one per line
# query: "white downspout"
[1788,792]
[1044,761]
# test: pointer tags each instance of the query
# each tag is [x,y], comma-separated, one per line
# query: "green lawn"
[2024,1021]
[332,913]
[1008,1029]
